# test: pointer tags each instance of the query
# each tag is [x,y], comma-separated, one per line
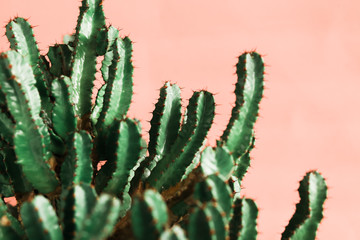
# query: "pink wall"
[310,115]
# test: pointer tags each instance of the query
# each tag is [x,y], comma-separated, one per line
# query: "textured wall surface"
[310,114]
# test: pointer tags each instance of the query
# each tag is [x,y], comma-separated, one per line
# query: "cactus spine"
[52,139]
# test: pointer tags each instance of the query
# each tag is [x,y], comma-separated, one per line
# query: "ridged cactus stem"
[31,137]
[118,90]
[21,38]
[243,224]
[124,153]
[171,168]
[149,216]
[309,211]
[91,21]
[164,130]
[249,89]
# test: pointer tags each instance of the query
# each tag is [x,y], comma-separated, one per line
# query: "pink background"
[310,114]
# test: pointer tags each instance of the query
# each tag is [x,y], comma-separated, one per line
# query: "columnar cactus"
[53,139]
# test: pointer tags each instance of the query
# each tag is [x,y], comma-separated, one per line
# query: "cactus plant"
[53,138]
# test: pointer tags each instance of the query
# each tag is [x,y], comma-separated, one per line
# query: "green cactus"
[52,139]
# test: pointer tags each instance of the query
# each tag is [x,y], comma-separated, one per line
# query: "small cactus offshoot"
[53,138]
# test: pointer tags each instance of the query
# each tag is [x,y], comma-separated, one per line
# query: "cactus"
[52,139]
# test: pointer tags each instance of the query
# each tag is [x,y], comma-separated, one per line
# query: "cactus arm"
[21,38]
[214,189]
[18,181]
[77,204]
[218,161]
[113,34]
[83,67]
[99,102]
[40,220]
[165,122]
[243,163]
[31,137]
[174,233]
[126,152]
[63,114]
[206,222]
[198,227]
[220,225]
[102,220]
[149,216]
[77,167]
[83,170]
[249,88]
[118,91]
[60,58]
[172,167]
[164,129]
[193,165]
[308,213]
[243,221]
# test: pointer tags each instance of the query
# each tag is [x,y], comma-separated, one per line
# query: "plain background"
[309,116]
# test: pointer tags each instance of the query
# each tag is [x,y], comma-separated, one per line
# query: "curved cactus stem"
[206,222]
[309,211]
[60,58]
[90,23]
[249,89]
[99,102]
[217,161]
[171,168]
[243,222]
[243,163]
[118,91]
[18,181]
[21,38]
[125,205]
[149,216]
[198,227]
[40,220]
[63,114]
[165,122]
[77,167]
[220,222]
[113,34]
[193,165]
[32,139]
[102,220]
[174,233]
[77,203]
[124,154]
[165,125]
[214,189]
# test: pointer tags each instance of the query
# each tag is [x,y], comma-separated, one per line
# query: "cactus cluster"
[53,138]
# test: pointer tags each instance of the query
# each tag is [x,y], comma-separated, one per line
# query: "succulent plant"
[53,138]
